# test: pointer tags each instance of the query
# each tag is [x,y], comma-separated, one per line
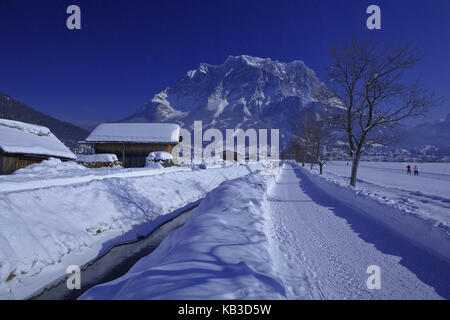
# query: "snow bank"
[92,158]
[159,155]
[70,173]
[157,158]
[421,229]
[45,229]
[52,166]
[153,165]
[220,253]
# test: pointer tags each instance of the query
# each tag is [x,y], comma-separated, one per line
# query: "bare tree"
[311,134]
[320,138]
[366,84]
[293,151]
[298,148]
[302,132]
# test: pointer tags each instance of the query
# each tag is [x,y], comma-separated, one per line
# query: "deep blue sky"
[129,50]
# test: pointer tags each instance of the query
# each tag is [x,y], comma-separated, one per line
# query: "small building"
[229,155]
[22,144]
[132,142]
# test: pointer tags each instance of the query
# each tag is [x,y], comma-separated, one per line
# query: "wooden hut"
[22,144]
[229,155]
[132,142]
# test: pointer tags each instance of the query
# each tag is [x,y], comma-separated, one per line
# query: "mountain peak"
[244,91]
[251,61]
[275,67]
[261,62]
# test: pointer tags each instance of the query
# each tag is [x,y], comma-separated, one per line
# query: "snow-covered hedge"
[220,253]
[90,158]
[416,228]
[45,229]
[98,160]
[158,159]
[159,155]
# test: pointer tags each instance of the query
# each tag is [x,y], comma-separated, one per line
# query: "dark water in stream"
[114,263]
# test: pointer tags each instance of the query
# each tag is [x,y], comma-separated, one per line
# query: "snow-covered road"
[322,249]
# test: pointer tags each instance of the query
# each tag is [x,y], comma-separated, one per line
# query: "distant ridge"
[68,133]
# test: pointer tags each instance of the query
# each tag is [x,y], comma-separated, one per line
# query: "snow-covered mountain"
[243,92]
[430,138]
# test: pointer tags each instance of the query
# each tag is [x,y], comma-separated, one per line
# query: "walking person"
[416,171]
[408,169]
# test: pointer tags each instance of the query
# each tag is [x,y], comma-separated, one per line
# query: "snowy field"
[289,236]
[426,196]
[428,168]
[55,214]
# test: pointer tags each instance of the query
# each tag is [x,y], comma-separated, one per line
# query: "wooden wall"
[135,153]
[12,162]
[230,156]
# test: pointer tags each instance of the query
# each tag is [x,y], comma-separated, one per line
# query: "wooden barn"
[22,144]
[229,155]
[132,142]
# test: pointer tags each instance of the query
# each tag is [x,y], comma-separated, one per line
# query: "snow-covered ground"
[220,253]
[426,169]
[55,214]
[283,237]
[323,247]
[424,198]
[291,235]
[53,172]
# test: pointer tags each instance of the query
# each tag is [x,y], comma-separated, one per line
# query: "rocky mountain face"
[14,110]
[243,92]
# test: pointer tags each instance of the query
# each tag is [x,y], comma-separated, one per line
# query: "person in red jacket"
[408,169]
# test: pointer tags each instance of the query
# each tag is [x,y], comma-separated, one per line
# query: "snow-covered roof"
[136,132]
[20,137]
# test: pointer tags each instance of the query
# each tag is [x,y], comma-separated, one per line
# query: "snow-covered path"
[322,249]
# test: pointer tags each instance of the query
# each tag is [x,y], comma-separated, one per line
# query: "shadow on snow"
[430,269]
